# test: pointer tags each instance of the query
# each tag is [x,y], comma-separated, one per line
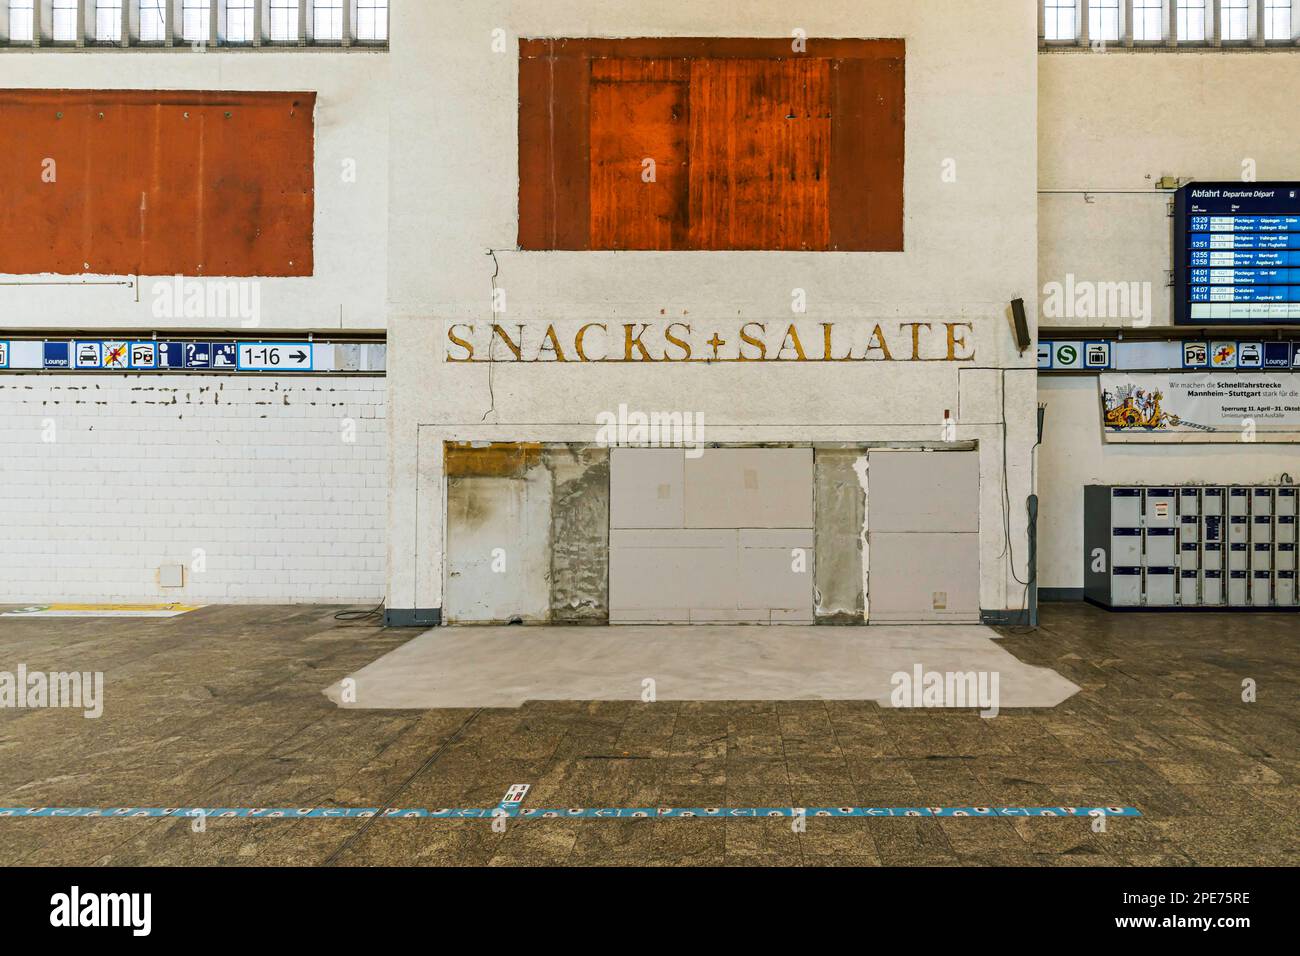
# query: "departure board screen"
[1237,254]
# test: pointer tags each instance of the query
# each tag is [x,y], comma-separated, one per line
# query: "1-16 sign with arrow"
[275,357]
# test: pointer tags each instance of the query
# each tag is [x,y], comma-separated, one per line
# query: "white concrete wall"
[348,289]
[970,249]
[1121,121]
[105,478]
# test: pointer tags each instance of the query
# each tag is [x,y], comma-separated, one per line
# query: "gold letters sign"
[857,341]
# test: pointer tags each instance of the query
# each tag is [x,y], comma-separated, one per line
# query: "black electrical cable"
[351,615]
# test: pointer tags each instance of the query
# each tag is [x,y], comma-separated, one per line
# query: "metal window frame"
[168,22]
[1130,18]
[173,35]
[355,18]
[265,7]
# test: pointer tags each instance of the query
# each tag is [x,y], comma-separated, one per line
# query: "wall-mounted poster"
[1200,406]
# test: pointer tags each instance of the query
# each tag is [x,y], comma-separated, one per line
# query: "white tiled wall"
[103,479]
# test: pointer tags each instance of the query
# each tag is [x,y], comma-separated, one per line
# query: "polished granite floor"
[224,707]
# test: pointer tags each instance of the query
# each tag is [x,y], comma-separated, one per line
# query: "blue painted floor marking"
[572,813]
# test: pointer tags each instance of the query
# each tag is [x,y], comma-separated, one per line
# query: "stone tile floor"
[223,706]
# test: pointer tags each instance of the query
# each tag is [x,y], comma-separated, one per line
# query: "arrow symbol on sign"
[298,356]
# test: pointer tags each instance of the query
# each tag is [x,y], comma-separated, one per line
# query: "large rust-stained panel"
[640,110]
[156,183]
[760,147]
[756,146]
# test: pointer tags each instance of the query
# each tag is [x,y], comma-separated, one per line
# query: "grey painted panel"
[773,579]
[750,488]
[923,577]
[645,487]
[677,573]
[923,491]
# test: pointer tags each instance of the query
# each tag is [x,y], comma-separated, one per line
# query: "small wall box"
[1203,547]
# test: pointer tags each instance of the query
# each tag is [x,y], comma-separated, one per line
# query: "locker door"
[1160,508]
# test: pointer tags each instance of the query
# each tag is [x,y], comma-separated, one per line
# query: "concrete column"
[1126,28]
[302,22]
[1261,22]
[1170,23]
[1084,23]
[1214,29]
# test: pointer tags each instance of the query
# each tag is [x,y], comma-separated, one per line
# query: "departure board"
[1237,254]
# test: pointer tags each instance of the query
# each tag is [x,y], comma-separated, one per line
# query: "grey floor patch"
[505,666]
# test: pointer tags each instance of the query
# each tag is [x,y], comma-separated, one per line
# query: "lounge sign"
[683,341]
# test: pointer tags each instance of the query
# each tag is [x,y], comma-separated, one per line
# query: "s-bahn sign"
[913,340]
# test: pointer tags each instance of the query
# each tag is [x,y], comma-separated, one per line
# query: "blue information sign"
[57,355]
[171,354]
[1237,254]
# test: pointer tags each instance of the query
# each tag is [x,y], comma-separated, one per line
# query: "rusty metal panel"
[760,145]
[145,182]
[866,161]
[640,110]
[783,150]
[554,161]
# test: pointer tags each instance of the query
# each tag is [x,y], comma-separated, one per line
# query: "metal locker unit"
[1193,546]
[1113,545]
